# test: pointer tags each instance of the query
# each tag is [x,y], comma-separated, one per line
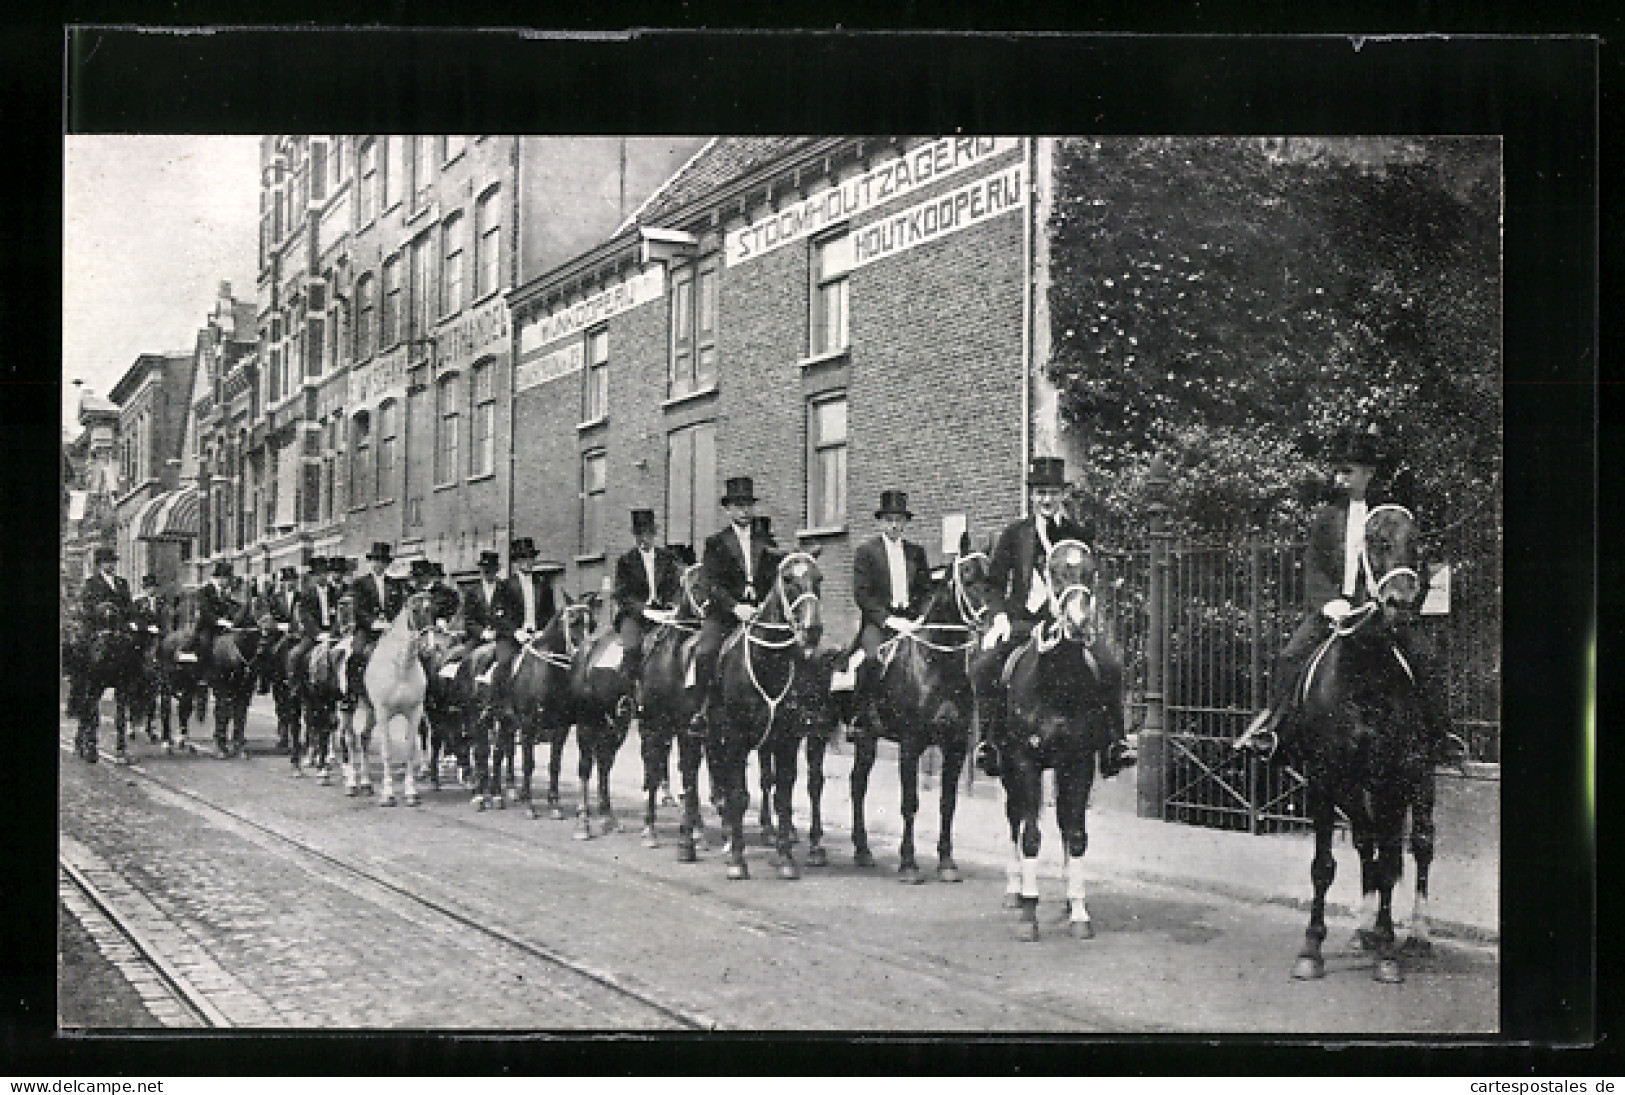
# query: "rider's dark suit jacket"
[444,600]
[147,610]
[632,594]
[98,592]
[310,618]
[213,606]
[1010,569]
[477,609]
[508,603]
[871,580]
[370,605]
[724,564]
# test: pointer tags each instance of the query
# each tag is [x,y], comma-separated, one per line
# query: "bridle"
[558,659]
[1059,628]
[968,625]
[752,639]
[1375,584]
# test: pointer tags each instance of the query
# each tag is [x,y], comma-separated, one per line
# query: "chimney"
[225,290]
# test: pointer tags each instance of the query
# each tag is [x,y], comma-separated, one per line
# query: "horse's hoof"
[556,813]
[386,800]
[366,789]
[738,871]
[863,858]
[788,871]
[1026,931]
[479,803]
[1416,947]
[414,799]
[910,875]
[169,749]
[947,872]
[1308,969]
[648,839]
[535,814]
[1387,972]
[686,852]
[817,857]
[1012,901]
[500,801]
[1083,929]
[667,800]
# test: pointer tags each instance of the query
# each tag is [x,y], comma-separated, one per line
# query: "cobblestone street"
[304,908]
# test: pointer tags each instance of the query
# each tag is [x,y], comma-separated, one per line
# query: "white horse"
[395,684]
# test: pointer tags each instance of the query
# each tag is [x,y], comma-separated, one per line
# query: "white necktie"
[530,602]
[897,563]
[744,547]
[649,571]
[1353,541]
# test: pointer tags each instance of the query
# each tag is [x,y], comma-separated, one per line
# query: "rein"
[557,659]
[789,607]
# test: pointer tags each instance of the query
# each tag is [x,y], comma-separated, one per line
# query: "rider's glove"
[898,623]
[440,625]
[1336,609]
[487,635]
[522,635]
[744,613]
[996,634]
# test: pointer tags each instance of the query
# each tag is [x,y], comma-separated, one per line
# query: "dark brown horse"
[924,698]
[1058,698]
[232,674]
[1363,747]
[181,682]
[599,706]
[754,706]
[448,706]
[102,653]
[668,712]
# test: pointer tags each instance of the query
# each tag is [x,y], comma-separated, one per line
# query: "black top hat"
[761,528]
[380,550]
[1047,471]
[893,502]
[222,569]
[422,568]
[107,554]
[316,564]
[741,491]
[437,570]
[683,552]
[490,560]
[288,572]
[643,520]
[1358,447]
[522,548]
[149,579]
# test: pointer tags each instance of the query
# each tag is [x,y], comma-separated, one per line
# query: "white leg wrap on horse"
[1074,887]
[1419,918]
[1029,877]
[1012,870]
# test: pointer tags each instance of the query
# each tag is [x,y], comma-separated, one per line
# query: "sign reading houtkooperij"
[888,182]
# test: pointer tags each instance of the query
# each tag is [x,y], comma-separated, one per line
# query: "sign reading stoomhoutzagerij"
[538,331]
[893,179]
[941,216]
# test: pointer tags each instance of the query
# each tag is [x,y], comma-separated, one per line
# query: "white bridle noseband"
[557,659]
[1373,583]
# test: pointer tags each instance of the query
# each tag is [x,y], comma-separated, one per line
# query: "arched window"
[488,256]
[389,330]
[367,188]
[451,279]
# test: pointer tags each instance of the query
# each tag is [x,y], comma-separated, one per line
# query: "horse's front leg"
[654,744]
[484,734]
[784,785]
[1311,966]
[610,737]
[1422,835]
[121,716]
[908,774]
[816,855]
[690,754]
[585,734]
[953,762]
[384,754]
[1072,786]
[409,789]
[764,772]
[1025,790]
[863,763]
[736,800]
[555,764]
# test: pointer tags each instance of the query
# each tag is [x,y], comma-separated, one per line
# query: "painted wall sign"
[640,289]
[942,216]
[472,336]
[385,375]
[550,366]
[890,181]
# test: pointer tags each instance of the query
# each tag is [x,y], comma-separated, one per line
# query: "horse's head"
[574,624]
[1070,569]
[971,586]
[798,585]
[419,611]
[1389,560]
[345,612]
[692,604]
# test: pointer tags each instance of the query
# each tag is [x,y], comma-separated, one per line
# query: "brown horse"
[668,712]
[102,654]
[756,674]
[1364,749]
[924,698]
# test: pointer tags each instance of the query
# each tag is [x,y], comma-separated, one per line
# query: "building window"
[826,462]
[482,455]
[421,288]
[315,345]
[488,247]
[386,450]
[360,464]
[333,337]
[366,316]
[367,171]
[336,158]
[831,264]
[595,380]
[394,171]
[691,480]
[389,332]
[422,169]
[453,146]
[693,328]
[451,278]
[446,433]
[593,468]
[318,169]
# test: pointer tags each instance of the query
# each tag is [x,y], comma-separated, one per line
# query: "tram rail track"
[681,1015]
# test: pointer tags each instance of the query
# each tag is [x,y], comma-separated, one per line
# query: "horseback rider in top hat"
[1020,600]
[104,599]
[521,605]
[215,609]
[283,601]
[1331,579]
[891,582]
[315,608]
[147,610]
[443,596]
[375,597]
[645,577]
[737,564]
[477,622]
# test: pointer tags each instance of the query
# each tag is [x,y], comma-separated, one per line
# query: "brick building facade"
[153,397]
[831,316]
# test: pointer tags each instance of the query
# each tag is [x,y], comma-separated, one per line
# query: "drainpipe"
[513,340]
[1026,321]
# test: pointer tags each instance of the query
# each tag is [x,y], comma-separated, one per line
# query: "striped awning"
[172,515]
